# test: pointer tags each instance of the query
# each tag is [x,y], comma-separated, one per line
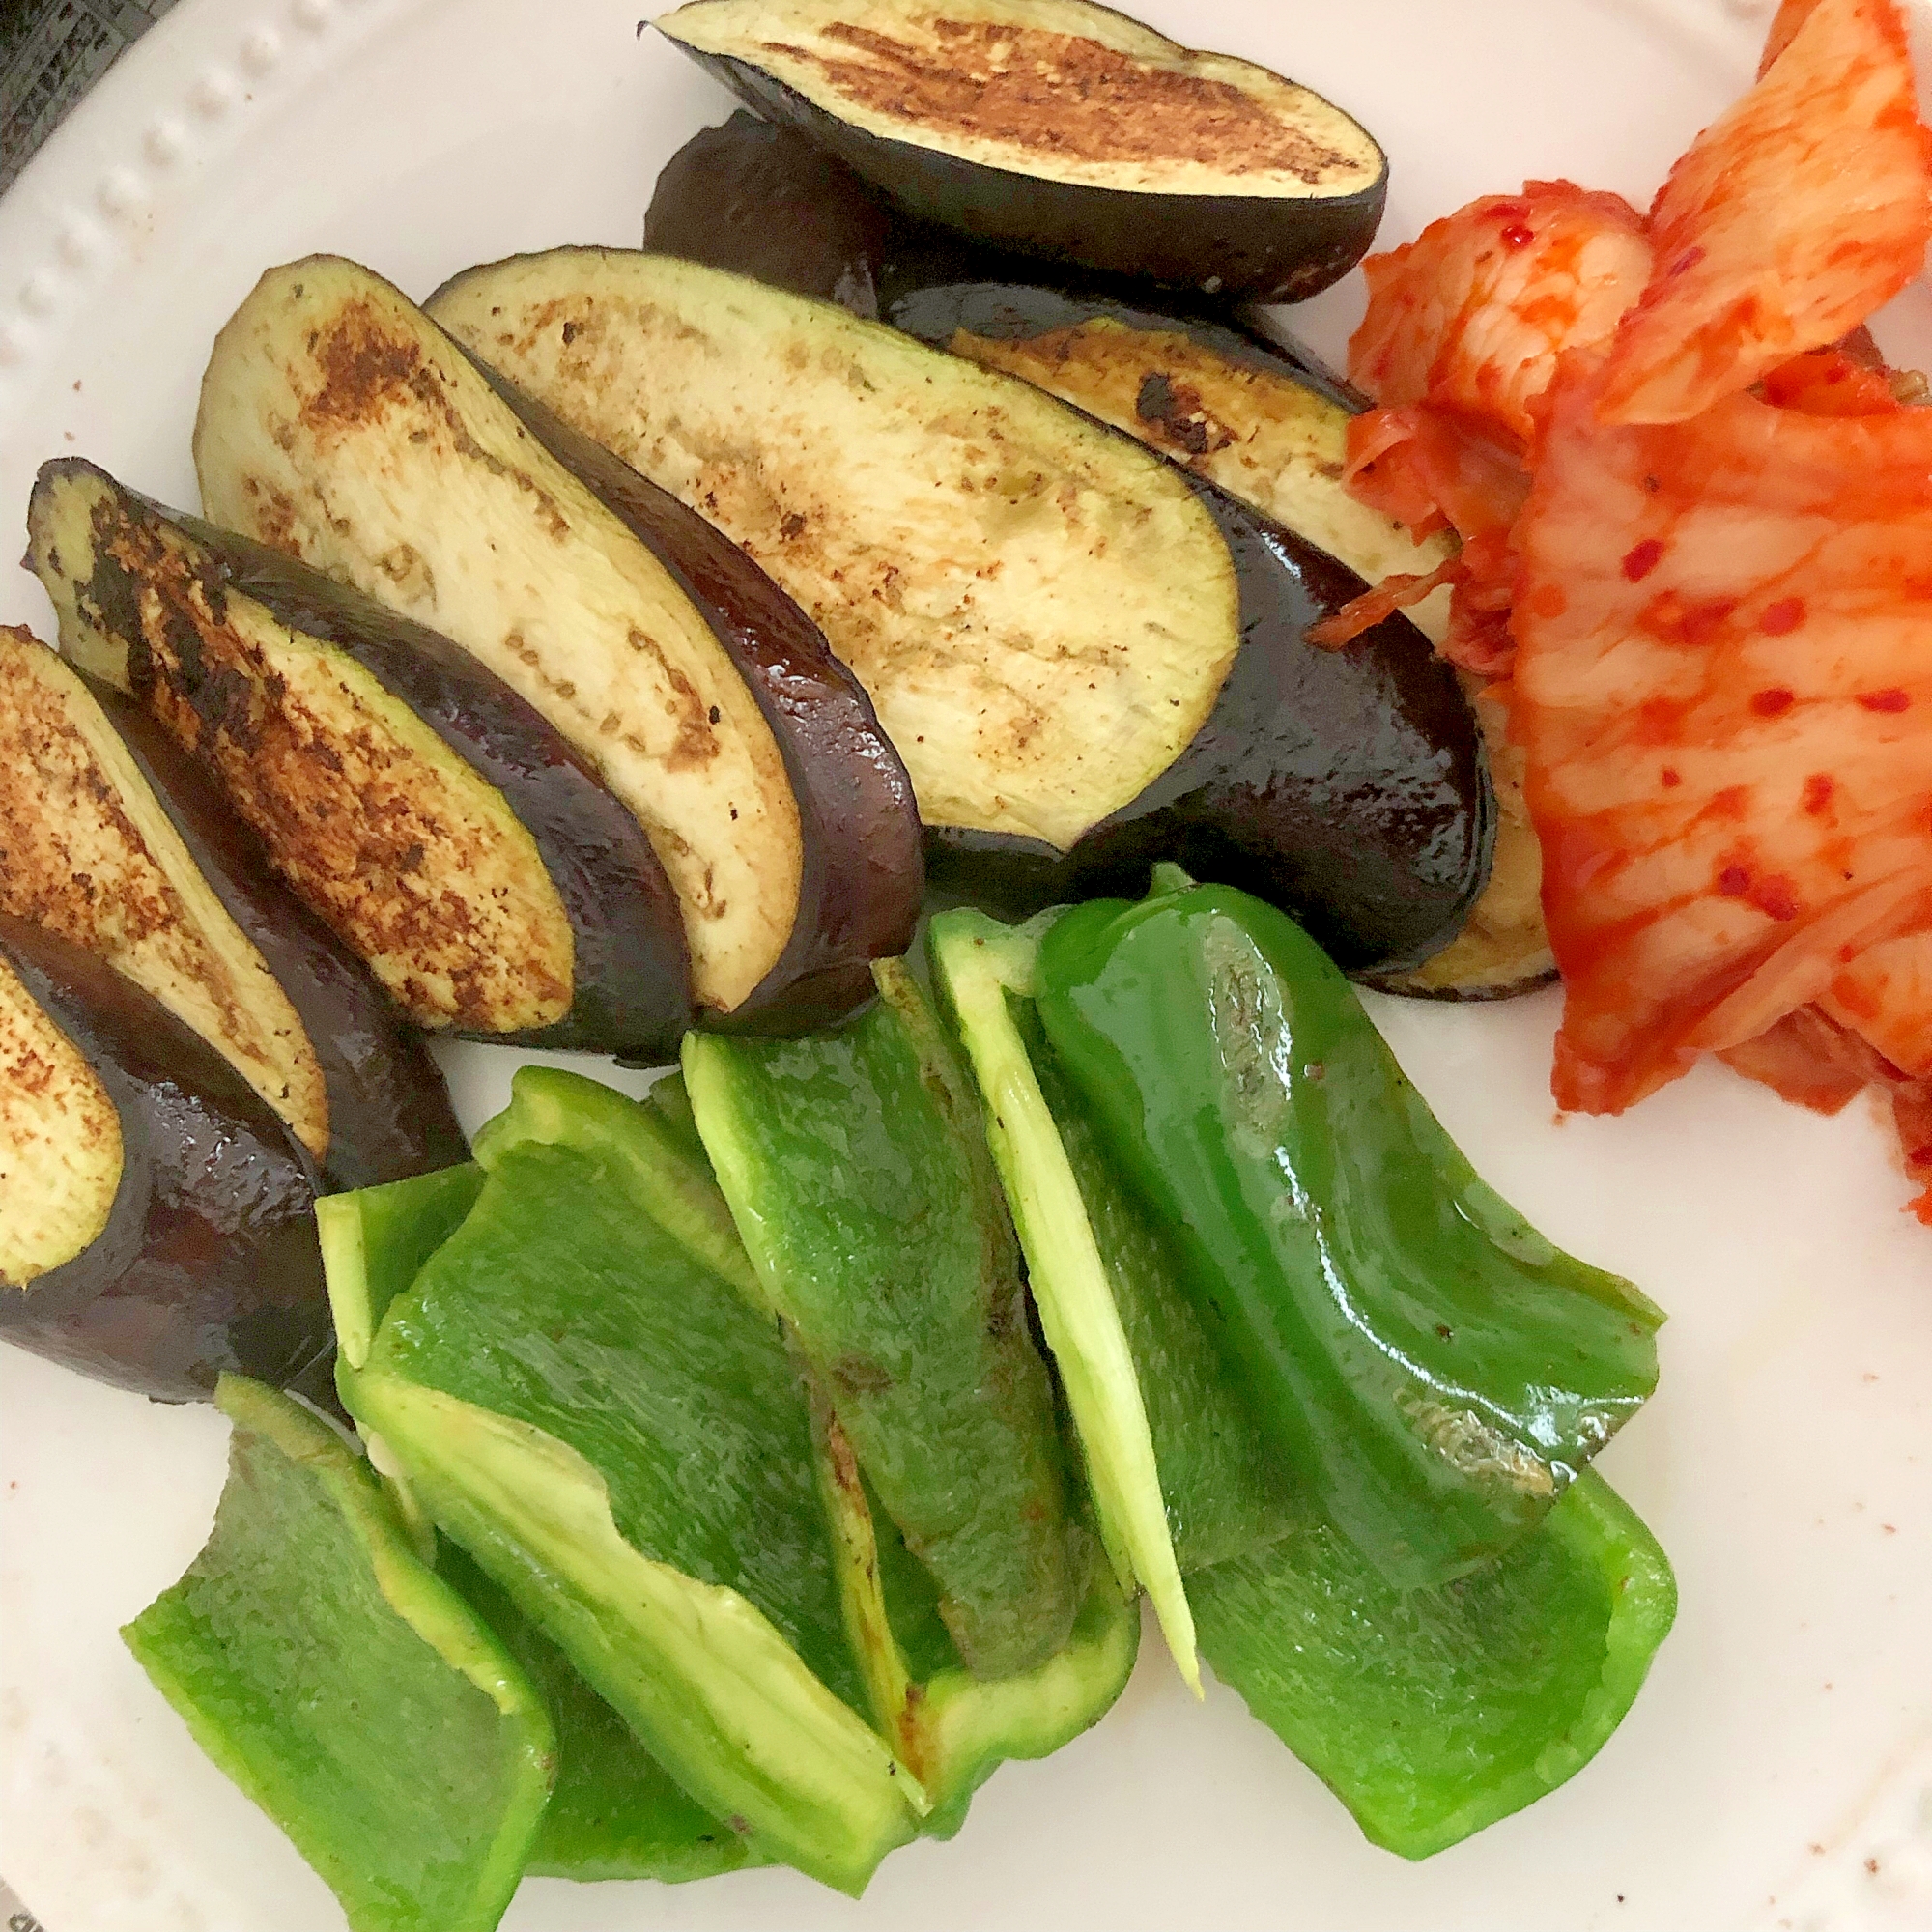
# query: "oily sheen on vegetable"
[117,841]
[1064,129]
[155,1215]
[1430,1367]
[1431,1712]
[1238,412]
[444,830]
[340,424]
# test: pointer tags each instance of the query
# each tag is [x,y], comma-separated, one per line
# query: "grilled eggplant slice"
[340,425]
[157,1219]
[1063,129]
[1248,413]
[977,555]
[117,840]
[1031,610]
[444,830]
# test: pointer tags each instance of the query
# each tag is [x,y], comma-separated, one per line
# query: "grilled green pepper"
[1430,1367]
[1434,1713]
[615,1813]
[345,1688]
[616,1434]
[857,1171]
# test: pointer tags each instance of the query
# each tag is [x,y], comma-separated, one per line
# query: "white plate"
[1778,1769]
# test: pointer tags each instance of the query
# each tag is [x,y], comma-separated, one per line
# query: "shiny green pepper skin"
[1435,1370]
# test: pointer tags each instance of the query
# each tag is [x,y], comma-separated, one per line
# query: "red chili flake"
[1517,236]
[1734,803]
[1772,702]
[1818,790]
[1640,559]
[1734,881]
[1921,1156]
[1686,262]
[1776,898]
[1786,615]
[1703,621]
[1669,777]
[1893,699]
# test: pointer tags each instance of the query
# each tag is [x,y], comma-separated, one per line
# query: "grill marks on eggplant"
[60,1141]
[1072,94]
[338,424]
[412,858]
[88,851]
[1043,616]
[1221,408]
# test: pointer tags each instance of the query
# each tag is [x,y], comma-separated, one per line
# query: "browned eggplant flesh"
[433,818]
[1249,414]
[1062,129]
[157,1219]
[976,553]
[339,424]
[117,840]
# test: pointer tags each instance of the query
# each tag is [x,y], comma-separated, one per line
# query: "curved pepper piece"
[1432,1368]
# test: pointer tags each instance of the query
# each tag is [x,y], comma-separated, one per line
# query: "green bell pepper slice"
[1434,1713]
[346,1689]
[951,1728]
[857,1171]
[615,1813]
[1428,1365]
[615,1432]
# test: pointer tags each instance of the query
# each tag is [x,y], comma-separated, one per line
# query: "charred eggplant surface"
[1043,616]
[157,1219]
[1063,129]
[1031,614]
[119,841]
[1245,412]
[446,832]
[339,424]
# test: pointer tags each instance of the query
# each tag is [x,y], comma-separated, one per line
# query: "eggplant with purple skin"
[157,1219]
[1062,129]
[1261,421]
[339,424]
[116,839]
[1089,659]
[447,834]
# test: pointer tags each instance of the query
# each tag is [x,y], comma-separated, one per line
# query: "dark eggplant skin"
[766,195]
[390,1115]
[631,972]
[863,880]
[1348,787]
[208,1261]
[1250,247]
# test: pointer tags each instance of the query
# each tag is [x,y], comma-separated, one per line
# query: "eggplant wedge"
[157,1219]
[1248,416]
[1252,416]
[117,840]
[445,833]
[1062,129]
[340,425]
[1040,610]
